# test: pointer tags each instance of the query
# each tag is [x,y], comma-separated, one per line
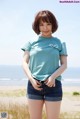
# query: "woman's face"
[45,29]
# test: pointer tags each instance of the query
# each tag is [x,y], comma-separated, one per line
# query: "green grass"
[76,93]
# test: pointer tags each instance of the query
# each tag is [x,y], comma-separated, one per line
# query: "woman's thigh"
[52,109]
[35,108]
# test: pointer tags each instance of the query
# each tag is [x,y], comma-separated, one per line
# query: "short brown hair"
[45,16]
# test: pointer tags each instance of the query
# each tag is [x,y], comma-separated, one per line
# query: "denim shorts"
[47,93]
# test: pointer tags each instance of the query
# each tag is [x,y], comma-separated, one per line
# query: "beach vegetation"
[16,111]
[76,93]
[19,109]
[13,93]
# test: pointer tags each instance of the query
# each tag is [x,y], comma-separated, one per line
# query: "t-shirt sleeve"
[26,47]
[63,50]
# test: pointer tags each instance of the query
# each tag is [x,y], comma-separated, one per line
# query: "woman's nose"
[45,27]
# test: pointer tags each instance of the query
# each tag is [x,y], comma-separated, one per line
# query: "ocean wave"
[70,80]
[5,79]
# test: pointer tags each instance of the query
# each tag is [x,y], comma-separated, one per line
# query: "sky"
[16,18]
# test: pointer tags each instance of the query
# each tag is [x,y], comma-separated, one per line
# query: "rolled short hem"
[35,97]
[53,98]
[30,96]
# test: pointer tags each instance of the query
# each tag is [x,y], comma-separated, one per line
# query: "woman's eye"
[48,23]
[41,24]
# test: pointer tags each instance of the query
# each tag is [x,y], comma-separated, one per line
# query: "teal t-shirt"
[45,56]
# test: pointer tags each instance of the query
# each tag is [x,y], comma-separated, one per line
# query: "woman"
[44,61]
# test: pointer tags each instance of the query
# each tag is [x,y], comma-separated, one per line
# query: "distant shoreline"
[65,88]
[23,82]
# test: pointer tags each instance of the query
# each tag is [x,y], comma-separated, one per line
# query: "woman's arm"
[25,62]
[51,80]
[61,69]
[25,65]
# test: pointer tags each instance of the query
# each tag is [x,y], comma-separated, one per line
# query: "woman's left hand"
[50,82]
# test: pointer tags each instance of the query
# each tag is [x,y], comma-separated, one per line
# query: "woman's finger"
[46,81]
[54,85]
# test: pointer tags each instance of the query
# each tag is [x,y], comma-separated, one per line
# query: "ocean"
[14,75]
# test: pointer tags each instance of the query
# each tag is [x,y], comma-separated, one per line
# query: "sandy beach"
[70,103]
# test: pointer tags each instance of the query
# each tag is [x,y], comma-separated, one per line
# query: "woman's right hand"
[36,84]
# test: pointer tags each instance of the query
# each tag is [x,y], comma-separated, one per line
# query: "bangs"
[45,18]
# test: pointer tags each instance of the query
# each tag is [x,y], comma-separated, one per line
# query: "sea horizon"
[23,82]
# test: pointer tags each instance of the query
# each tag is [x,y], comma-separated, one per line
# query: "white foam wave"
[71,80]
[5,79]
